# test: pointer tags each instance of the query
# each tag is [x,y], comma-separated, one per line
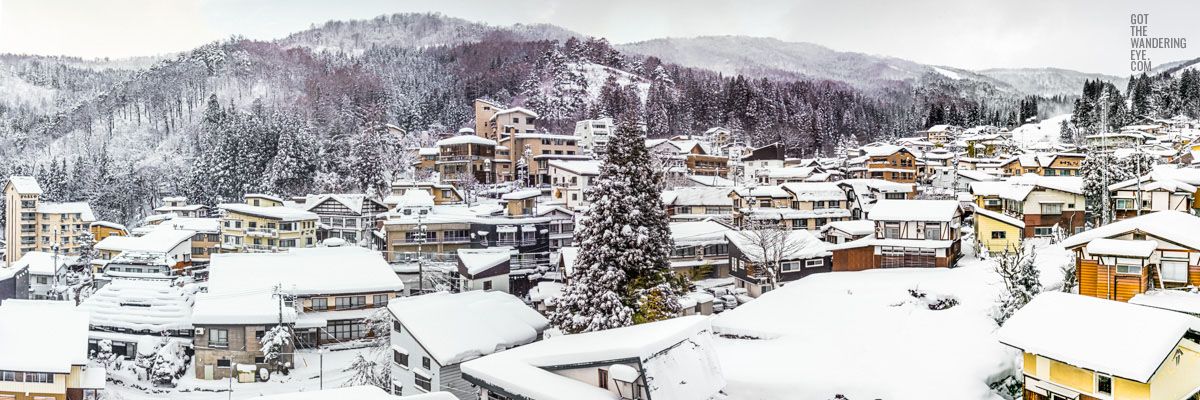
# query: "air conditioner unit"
[199,331]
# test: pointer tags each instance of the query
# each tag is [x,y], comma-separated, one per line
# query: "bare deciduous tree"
[767,244]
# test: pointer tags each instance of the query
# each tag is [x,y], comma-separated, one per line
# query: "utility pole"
[420,238]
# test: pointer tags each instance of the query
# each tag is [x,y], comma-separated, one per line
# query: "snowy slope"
[1048,81]
[596,74]
[1046,130]
[864,336]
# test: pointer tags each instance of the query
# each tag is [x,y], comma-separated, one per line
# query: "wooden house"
[908,233]
[762,260]
[1125,258]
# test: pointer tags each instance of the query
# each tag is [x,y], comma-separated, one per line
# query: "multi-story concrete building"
[462,157]
[594,134]
[35,225]
[571,179]
[264,224]
[535,151]
[495,122]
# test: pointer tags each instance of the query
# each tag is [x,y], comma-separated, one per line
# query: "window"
[399,358]
[380,300]
[1175,270]
[1051,208]
[1043,231]
[602,378]
[223,363]
[320,303]
[1129,269]
[1103,384]
[1124,204]
[345,330]
[396,326]
[487,285]
[790,266]
[933,231]
[218,337]
[423,382]
[891,231]
[716,249]
[684,251]
[894,196]
[343,303]
[999,234]
[425,362]
[814,263]
[260,360]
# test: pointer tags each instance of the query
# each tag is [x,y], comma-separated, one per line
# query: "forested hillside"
[303,114]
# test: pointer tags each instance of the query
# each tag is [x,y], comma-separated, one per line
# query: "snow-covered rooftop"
[1175,226]
[279,212]
[43,263]
[1187,302]
[1017,222]
[1061,326]
[466,139]
[304,271]
[74,207]
[160,240]
[801,245]
[522,194]
[815,191]
[676,354]
[479,260]
[697,196]
[914,210]
[239,308]
[141,304]
[853,227]
[25,184]
[205,225]
[1121,248]
[42,336]
[415,198]
[698,233]
[579,167]
[457,327]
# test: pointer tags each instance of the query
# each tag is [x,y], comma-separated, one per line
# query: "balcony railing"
[458,158]
[260,247]
[262,232]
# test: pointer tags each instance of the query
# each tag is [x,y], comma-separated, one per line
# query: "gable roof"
[998,216]
[25,184]
[1175,226]
[457,327]
[58,342]
[676,354]
[914,210]
[1062,326]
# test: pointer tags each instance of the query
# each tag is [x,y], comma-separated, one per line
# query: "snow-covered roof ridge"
[698,196]
[43,263]
[1061,326]
[522,194]
[160,240]
[914,210]
[141,304]
[466,139]
[461,326]
[676,354]
[480,260]
[580,167]
[815,191]
[802,245]
[25,184]
[304,271]
[1176,226]
[1017,222]
[698,233]
[282,213]
[74,207]
[58,342]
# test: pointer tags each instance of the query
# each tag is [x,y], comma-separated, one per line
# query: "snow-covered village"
[544,200]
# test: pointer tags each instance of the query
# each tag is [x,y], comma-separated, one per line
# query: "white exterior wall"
[751,167]
[499,283]
[1071,202]
[404,375]
[592,135]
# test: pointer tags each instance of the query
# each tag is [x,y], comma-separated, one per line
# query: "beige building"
[45,352]
[492,121]
[264,224]
[536,150]
[42,225]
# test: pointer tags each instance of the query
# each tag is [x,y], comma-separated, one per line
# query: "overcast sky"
[1089,36]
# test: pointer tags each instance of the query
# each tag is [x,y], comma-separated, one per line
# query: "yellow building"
[103,229]
[1080,347]
[42,225]
[996,232]
[264,224]
[49,362]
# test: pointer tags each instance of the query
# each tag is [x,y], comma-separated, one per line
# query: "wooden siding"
[450,380]
[856,259]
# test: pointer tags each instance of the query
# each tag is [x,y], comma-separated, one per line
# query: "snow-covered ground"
[1047,130]
[305,377]
[865,336]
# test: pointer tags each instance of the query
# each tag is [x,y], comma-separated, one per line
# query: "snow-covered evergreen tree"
[275,342]
[1099,170]
[1020,278]
[622,274]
